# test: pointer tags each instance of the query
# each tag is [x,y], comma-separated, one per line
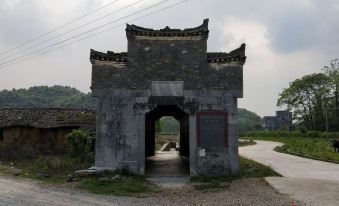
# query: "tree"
[169,125]
[307,98]
[43,96]
[248,121]
[158,126]
[333,73]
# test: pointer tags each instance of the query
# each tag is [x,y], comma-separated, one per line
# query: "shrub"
[79,142]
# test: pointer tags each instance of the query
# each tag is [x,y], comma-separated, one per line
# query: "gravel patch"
[310,191]
[253,191]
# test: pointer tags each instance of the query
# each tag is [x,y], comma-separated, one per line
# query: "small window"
[1,134]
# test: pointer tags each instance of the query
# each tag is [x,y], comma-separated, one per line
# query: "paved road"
[290,165]
[311,181]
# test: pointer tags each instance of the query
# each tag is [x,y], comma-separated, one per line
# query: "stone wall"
[116,144]
[151,59]
[208,76]
[29,142]
[121,130]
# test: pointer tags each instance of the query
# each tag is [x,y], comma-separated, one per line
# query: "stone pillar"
[233,134]
[141,142]
[193,144]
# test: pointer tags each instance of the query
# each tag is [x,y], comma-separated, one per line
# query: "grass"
[54,170]
[117,184]
[248,169]
[318,148]
[243,143]
[158,147]
[8,171]
[48,169]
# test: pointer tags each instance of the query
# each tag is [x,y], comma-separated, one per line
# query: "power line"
[59,27]
[95,34]
[74,29]
[86,32]
[133,20]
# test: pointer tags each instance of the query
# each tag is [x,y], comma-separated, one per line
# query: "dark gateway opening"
[167,163]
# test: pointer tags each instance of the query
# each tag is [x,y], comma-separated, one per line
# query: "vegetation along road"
[311,181]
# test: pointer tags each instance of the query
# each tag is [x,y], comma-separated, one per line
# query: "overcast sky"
[285,39]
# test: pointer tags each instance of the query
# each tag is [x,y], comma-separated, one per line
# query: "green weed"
[117,184]
[248,169]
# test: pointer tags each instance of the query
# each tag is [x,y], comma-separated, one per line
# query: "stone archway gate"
[168,67]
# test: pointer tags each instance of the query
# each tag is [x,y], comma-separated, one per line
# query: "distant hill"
[248,121]
[44,96]
[67,97]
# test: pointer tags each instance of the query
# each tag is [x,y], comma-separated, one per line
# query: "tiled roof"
[109,56]
[47,118]
[202,30]
[235,55]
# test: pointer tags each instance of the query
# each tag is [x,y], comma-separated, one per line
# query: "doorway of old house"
[167,142]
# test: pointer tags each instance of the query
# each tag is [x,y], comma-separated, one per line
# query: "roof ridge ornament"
[132,31]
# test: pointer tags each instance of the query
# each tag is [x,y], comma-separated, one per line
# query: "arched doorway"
[167,164]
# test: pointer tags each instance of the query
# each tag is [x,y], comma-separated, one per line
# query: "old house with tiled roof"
[33,131]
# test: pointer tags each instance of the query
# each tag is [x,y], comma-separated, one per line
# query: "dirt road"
[23,193]
[240,192]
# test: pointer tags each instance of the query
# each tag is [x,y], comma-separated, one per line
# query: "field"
[312,147]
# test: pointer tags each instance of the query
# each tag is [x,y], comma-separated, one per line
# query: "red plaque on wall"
[212,129]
